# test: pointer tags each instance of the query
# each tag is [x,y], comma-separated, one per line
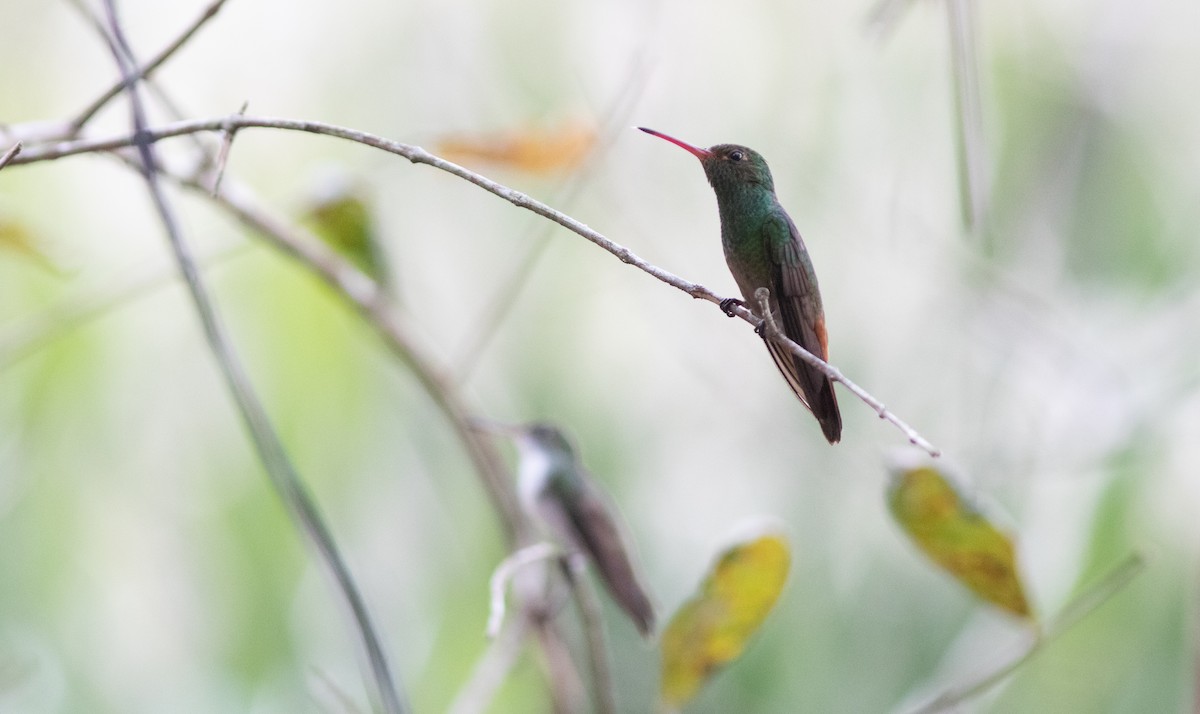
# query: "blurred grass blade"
[537,151]
[948,529]
[971,150]
[340,216]
[972,155]
[711,630]
[1096,595]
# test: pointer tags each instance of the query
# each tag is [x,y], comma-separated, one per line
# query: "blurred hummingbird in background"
[559,494]
[764,249]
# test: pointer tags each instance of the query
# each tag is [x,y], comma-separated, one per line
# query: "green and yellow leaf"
[711,630]
[956,536]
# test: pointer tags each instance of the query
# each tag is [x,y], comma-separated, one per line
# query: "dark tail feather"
[617,573]
[600,538]
[812,387]
[825,409]
[634,602]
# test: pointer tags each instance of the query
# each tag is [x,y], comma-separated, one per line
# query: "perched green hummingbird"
[764,249]
[557,492]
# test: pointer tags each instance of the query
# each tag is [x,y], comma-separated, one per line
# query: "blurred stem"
[615,119]
[267,442]
[593,631]
[492,669]
[566,688]
[77,311]
[1096,595]
[972,155]
[1072,614]
[499,307]
[417,155]
[971,149]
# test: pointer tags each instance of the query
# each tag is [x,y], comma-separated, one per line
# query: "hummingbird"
[559,494]
[763,248]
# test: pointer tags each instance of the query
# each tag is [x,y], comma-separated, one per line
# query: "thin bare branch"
[100,102]
[417,155]
[266,440]
[10,154]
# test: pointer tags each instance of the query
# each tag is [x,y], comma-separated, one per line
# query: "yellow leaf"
[711,629]
[534,150]
[956,536]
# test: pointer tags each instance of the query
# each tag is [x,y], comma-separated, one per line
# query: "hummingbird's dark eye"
[736,156]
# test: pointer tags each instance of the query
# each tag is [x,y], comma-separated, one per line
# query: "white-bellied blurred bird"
[558,493]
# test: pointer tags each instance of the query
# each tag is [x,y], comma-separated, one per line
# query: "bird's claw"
[728,304]
[761,329]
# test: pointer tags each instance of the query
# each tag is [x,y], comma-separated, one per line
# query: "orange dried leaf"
[535,150]
[712,629]
[956,536]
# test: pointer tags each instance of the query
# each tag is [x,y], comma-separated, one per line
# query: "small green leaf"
[711,630]
[956,536]
[343,220]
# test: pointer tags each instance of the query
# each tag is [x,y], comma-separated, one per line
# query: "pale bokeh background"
[147,567]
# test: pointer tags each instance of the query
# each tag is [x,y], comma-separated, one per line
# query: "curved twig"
[503,574]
